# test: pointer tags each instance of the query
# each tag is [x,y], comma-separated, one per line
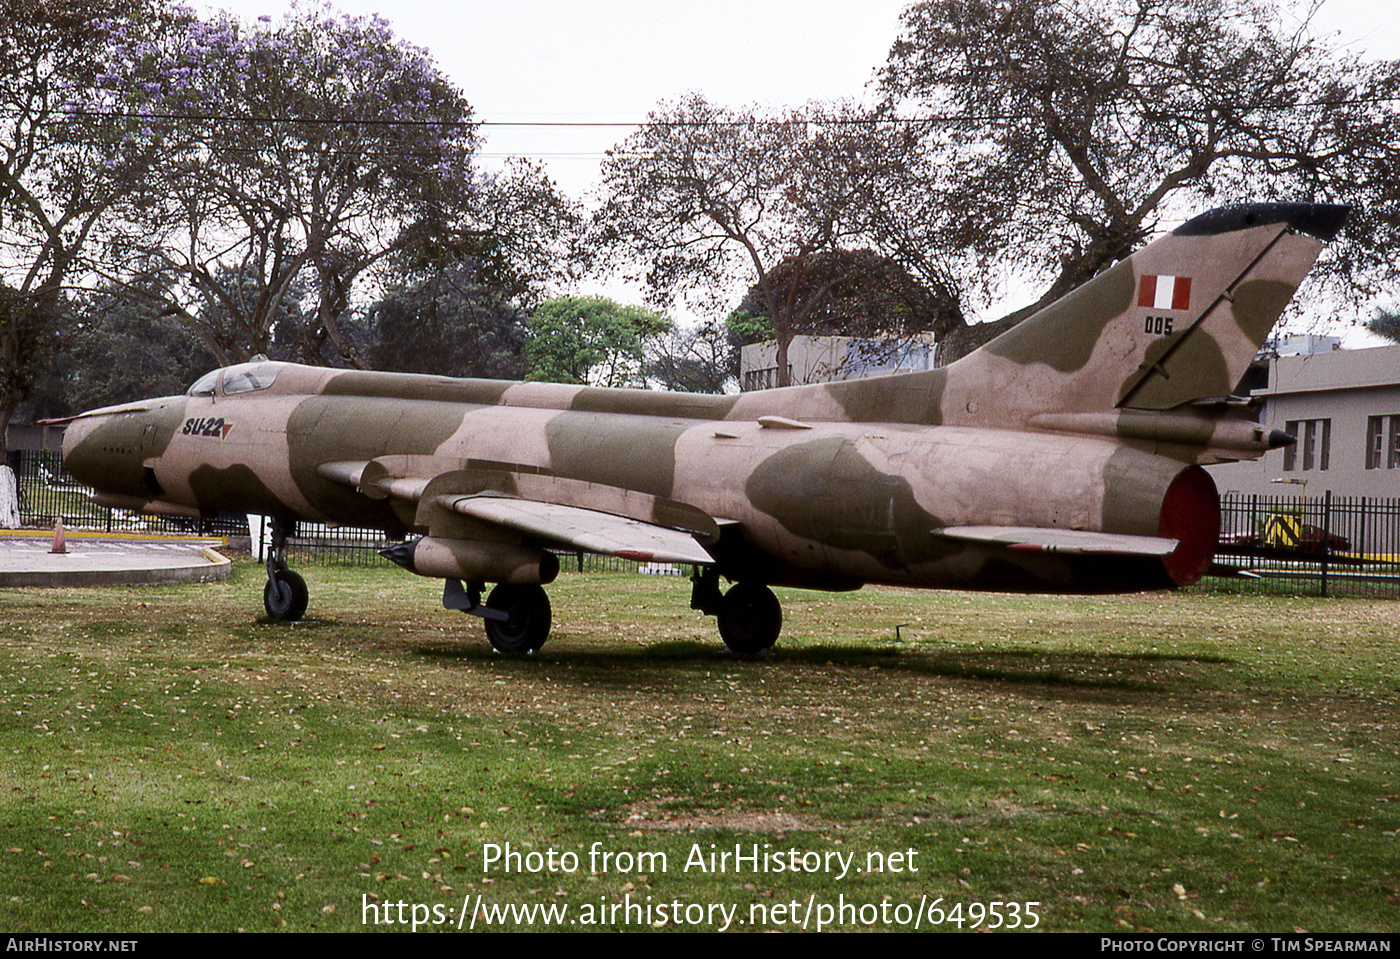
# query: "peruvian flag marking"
[1165,292]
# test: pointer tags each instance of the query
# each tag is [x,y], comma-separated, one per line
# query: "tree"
[703,197]
[699,359]
[28,333]
[112,349]
[1061,135]
[743,327]
[1385,323]
[326,148]
[591,340]
[449,322]
[64,168]
[856,293]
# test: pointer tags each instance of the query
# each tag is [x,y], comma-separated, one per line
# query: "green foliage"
[1387,324]
[591,340]
[115,350]
[27,346]
[451,323]
[746,327]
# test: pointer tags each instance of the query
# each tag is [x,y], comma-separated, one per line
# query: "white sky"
[613,60]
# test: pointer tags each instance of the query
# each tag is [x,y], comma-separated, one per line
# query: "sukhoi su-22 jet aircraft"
[1063,456]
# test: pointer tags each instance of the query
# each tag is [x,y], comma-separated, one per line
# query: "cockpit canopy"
[258,374]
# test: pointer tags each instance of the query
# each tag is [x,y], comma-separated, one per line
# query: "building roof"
[1337,370]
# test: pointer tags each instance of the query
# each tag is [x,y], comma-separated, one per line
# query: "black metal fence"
[1329,545]
[323,546]
[47,493]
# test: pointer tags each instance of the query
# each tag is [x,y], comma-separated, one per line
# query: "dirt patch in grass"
[653,815]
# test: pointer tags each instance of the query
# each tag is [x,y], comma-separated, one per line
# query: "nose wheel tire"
[285,596]
[750,618]
[528,618]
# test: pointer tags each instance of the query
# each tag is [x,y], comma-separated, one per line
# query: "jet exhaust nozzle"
[1191,515]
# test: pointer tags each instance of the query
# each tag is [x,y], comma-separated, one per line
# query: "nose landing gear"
[285,596]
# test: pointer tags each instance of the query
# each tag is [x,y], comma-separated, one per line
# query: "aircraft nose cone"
[77,451]
[104,452]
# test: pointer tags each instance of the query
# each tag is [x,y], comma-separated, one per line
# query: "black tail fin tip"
[1320,220]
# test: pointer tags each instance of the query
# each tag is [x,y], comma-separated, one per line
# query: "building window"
[760,379]
[1383,442]
[765,379]
[1313,449]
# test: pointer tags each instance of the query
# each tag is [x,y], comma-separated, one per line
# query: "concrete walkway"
[108,559]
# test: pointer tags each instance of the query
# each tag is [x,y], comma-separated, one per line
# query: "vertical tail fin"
[1180,320]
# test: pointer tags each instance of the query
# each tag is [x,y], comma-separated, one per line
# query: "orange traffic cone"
[60,544]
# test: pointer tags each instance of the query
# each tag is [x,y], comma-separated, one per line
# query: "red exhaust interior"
[1191,515]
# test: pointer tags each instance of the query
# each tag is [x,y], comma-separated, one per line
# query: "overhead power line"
[1203,110]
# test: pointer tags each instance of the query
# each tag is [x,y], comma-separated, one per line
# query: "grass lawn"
[172,760]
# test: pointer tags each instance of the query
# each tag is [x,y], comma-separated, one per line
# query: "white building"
[1343,407]
[822,359]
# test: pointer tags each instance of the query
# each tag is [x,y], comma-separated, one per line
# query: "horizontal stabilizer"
[1072,541]
[584,529]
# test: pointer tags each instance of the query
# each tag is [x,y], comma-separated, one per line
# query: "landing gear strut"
[750,616]
[517,617]
[285,596]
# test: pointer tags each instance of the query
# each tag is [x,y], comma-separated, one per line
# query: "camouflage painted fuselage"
[1088,423]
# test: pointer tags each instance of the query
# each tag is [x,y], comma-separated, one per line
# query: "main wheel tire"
[527,627]
[285,596]
[750,618]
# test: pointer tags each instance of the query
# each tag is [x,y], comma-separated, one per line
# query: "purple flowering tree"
[65,171]
[313,153]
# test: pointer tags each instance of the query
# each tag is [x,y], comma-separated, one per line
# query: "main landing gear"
[285,596]
[750,616]
[517,617]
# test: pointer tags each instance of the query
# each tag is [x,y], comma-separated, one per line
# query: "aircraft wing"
[586,529]
[591,517]
[1072,541]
